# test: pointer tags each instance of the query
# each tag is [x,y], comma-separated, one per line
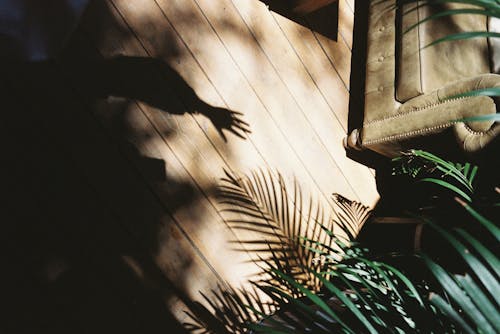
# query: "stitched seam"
[478,133]
[368,124]
[409,134]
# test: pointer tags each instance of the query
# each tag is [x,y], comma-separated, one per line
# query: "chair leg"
[352,141]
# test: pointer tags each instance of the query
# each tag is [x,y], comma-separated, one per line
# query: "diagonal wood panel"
[310,108]
[290,84]
[180,152]
[286,116]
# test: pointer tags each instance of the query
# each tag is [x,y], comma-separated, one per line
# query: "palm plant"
[427,167]
[470,299]
[281,219]
[317,280]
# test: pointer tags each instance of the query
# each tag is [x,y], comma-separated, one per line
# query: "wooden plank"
[339,55]
[346,22]
[245,233]
[222,61]
[137,158]
[311,105]
[269,74]
[178,140]
[327,61]
[236,91]
[319,67]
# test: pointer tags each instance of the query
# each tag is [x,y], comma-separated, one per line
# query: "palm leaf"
[451,12]
[450,312]
[482,302]
[459,296]
[348,304]
[279,218]
[483,274]
[427,167]
[484,252]
[488,224]
[474,294]
[482,118]
[346,292]
[449,186]
[464,35]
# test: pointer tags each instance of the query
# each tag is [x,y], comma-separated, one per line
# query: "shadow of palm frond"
[229,311]
[290,236]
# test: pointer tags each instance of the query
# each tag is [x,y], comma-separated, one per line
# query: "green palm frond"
[492,7]
[280,217]
[348,291]
[471,298]
[451,12]
[492,92]
[427,167]
[282,222]
[359,295]
[464,35]
[482,118]
[267,206]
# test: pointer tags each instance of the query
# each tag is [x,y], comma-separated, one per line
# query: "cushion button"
[381,58]
[380,88]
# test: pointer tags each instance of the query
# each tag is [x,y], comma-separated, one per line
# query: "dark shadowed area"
[119,118]
[81,222]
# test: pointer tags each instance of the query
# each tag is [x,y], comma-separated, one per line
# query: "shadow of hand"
[224,119]
[154,82]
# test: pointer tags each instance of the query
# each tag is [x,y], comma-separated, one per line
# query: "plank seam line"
[330,60]
[155,195]
[292,95]
[309,73]
[165,142]
[254,91]
[260,100]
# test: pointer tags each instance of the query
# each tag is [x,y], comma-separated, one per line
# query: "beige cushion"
[494,26]
[422,70]
[407,87]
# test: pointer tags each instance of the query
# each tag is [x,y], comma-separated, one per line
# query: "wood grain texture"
[154,88]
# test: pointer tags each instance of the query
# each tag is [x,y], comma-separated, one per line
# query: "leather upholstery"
[407,86]
[422,70]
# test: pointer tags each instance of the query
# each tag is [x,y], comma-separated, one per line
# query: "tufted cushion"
[422,70]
